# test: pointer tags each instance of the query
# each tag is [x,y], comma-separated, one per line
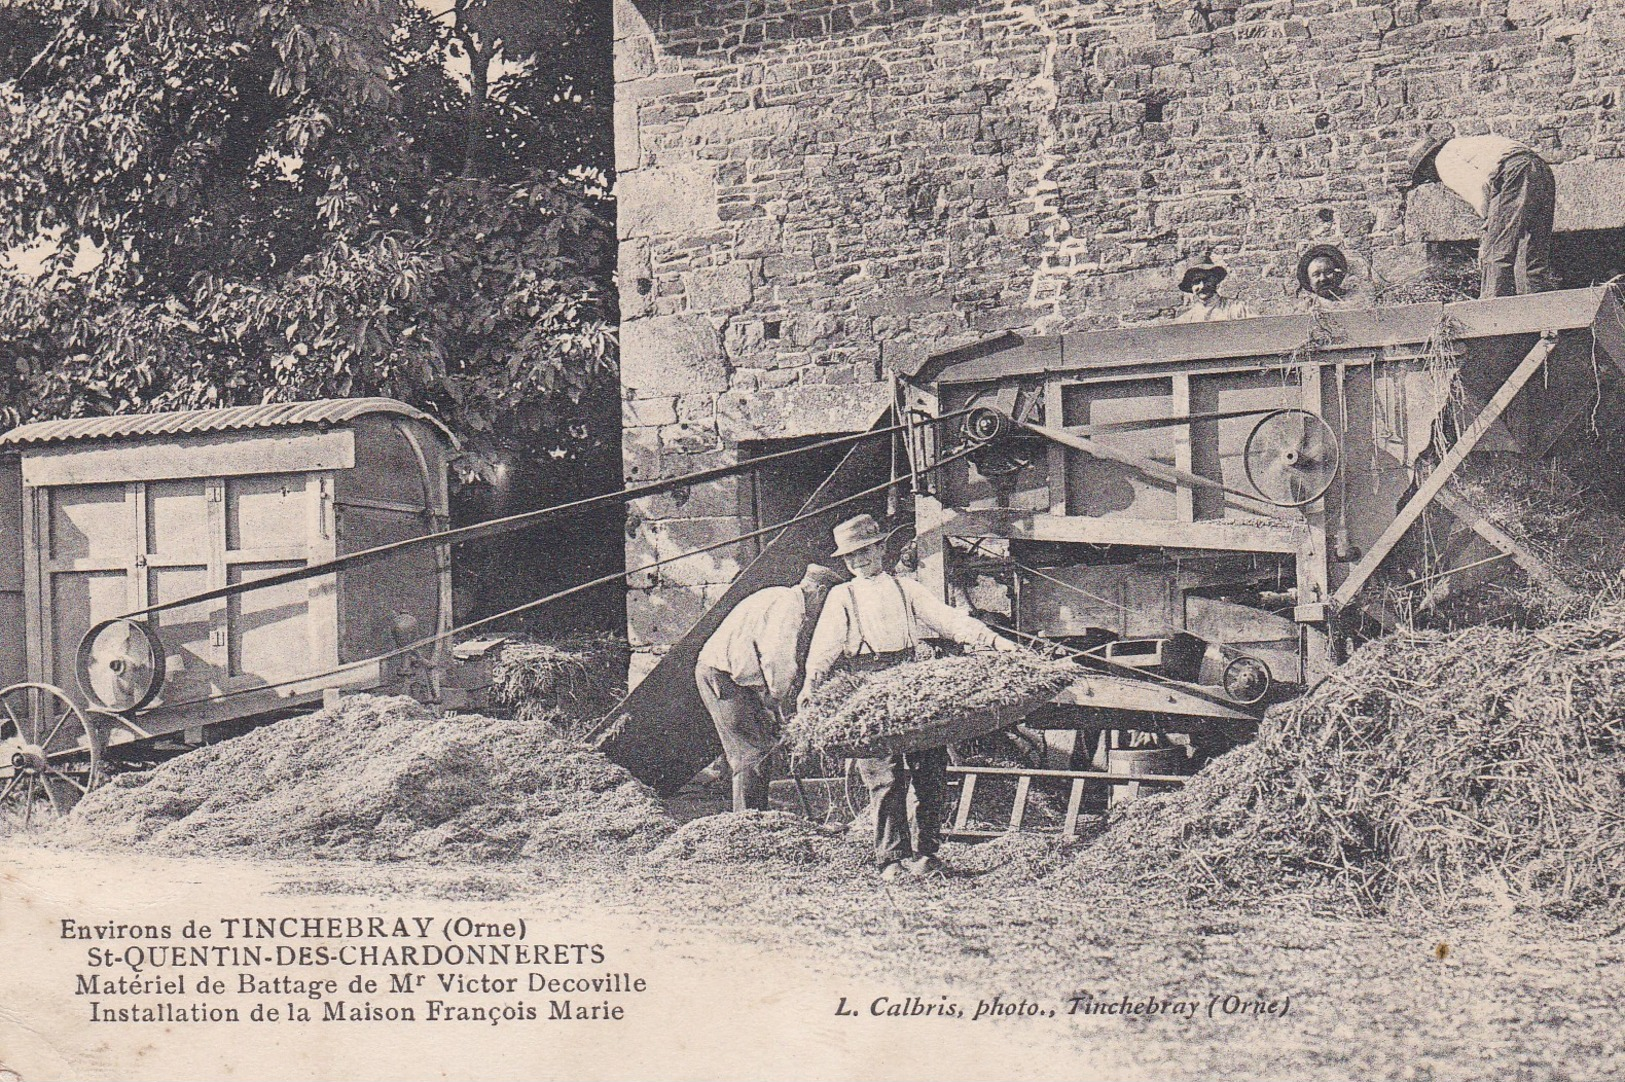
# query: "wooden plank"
[1184,497]
[1167,475]
[1241,344]
[1430,489]
[967,793]
[1223,535]
[1018,811]
[1074,802]
[226,455]
[1086,775]
[1055,414]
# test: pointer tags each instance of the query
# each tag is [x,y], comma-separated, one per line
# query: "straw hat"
[1419,165]
[1197,270]
[1320,251]
[858,533]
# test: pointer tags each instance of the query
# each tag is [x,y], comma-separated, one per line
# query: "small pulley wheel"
[1292,457]
[1246,680]
[121,665]
[985,424]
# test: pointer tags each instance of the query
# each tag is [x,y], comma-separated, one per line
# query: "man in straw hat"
[747,672]
[1322,281]
[1512,189]
[873,622]
[1201,283]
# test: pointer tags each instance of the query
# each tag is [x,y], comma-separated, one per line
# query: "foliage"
[290,199]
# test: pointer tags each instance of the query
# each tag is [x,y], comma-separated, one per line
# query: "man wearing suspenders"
[874,622]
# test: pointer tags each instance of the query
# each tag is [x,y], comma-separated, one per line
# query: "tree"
[272,200]
[313,198]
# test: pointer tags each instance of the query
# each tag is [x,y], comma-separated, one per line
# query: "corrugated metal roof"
[191,422]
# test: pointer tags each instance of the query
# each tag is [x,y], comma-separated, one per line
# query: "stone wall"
[814,192]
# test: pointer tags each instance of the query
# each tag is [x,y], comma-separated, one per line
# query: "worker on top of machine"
[1512,189]
[873,622]
[1323,282]
[1201,284]
[747,672]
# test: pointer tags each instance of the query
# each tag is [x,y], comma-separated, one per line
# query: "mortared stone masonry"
[815,192]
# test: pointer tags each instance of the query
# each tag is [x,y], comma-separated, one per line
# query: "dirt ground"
[753,962]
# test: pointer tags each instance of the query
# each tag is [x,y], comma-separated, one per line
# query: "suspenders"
[864,649]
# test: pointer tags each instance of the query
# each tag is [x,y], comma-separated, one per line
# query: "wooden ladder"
[1024,782]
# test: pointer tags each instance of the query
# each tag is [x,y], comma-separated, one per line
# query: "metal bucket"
[1133,762]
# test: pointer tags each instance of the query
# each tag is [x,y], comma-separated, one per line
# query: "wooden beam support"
[1429,490]
[1533,566]
[1219,535]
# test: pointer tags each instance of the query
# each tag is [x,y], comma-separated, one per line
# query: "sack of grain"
[925,704]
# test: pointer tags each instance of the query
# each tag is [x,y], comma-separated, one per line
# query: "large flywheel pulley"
[50,754]
[1291,456]
[121,665]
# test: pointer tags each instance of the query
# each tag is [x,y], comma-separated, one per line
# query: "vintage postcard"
[812,539]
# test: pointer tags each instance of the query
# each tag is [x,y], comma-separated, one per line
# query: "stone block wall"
[815,192]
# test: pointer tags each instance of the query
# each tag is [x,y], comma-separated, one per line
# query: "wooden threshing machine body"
[1118,484]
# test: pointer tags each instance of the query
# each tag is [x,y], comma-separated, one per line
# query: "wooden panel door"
[109,549]
[268,522]
[86,538]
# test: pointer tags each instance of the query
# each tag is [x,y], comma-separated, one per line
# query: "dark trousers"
[745,726]
[1518,229]
[888,779]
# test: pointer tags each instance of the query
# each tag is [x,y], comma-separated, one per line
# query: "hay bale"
[379,779]
[1430,769]
[569,682]
[925,704]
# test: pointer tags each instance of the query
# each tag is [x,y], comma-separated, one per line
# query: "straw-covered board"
[925,704]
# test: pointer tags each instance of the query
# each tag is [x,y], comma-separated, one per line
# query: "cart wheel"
[50,754]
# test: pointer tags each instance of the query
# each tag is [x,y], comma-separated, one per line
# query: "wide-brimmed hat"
[1199,270]
[820,575]
[858,533]
[1320,251]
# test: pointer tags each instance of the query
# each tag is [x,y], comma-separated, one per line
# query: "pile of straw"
[750,837]
[925,704]
[376,778]
[1430,769]
[569,682]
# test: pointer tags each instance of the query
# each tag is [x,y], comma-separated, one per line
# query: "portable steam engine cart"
[1203,513]
[112,516]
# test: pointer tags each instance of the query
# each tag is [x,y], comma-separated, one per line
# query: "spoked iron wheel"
[50,754]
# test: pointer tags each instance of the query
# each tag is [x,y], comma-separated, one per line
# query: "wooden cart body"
[107,516]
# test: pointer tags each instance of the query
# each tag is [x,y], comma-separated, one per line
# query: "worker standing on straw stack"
[747,671]
[874,622]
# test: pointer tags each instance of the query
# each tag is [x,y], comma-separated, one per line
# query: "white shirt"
[1221,308]
[885,614]
[756,643]
[1468,164]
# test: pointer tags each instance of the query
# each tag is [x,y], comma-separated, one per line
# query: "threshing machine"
[1202,513]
